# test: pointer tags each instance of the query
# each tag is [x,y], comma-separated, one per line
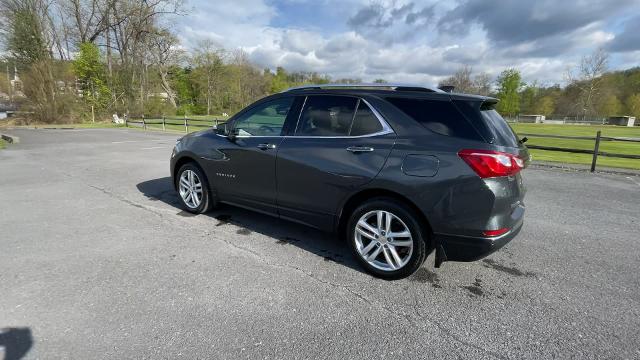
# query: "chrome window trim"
[385,124]
[353,118]
[379,133]
[386,129]
[300,114]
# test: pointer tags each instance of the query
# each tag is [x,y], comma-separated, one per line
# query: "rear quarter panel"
[455,200]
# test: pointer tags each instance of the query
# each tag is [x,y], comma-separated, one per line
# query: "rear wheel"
[193,190]
[386,238]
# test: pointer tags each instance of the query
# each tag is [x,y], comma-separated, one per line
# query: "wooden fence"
[596,146]
[184,122]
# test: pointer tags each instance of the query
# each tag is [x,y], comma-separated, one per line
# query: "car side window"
[266,119]
[439,116]
[326,116]
[365,122]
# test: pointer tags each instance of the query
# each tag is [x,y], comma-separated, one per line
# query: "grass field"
[3,144]
[582,130]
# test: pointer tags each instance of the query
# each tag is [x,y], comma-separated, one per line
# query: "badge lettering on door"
[232,176]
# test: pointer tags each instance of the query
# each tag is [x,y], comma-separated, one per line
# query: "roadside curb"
[575,167]
[11,139]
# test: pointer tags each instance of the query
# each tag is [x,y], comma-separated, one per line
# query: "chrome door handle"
[358,149]
[266,146]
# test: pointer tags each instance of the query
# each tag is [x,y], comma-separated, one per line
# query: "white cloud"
[401,40]
[301,41]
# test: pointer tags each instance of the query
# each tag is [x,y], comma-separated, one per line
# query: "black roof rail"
[397,87]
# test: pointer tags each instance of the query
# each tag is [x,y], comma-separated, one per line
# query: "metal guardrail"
[595,152]
[164,121]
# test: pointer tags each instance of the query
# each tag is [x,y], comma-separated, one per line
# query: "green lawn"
[3,144]
[582,130]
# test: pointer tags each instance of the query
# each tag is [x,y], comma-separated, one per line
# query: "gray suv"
[398,171]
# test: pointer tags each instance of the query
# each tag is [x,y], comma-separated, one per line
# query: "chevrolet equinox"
[398,171]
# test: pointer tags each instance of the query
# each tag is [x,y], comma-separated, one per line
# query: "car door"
[340,144]
[246,175]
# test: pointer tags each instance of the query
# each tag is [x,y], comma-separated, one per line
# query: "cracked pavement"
[98,261]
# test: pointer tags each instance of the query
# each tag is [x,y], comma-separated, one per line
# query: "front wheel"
[193,190]
[386,238]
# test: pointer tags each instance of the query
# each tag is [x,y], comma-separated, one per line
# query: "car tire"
[190,182]
[384,251]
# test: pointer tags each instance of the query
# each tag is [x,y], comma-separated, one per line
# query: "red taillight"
[495,232]
[487,163]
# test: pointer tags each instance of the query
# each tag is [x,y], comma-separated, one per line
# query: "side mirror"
[221,129]
[225,130]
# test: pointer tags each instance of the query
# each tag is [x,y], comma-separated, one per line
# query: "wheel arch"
[354,200]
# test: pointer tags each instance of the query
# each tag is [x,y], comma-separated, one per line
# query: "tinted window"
[365,122]
[439,116]
[266,119]
[493,127]
[502,132]
[326,116]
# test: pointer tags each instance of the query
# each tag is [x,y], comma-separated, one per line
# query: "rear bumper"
[463,248]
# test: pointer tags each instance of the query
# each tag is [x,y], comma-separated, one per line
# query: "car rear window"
[439,116]
[489,122]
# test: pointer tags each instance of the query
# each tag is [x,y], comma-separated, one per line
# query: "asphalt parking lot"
[98,261]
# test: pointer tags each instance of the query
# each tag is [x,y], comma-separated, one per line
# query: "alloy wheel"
[383,240]
[190,188]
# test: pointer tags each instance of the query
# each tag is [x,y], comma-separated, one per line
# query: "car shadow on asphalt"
[284,233]
[16,342]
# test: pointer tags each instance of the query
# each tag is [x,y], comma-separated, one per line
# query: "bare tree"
[131,25]
[460,80]
[164,53]
[89,17]
[588,79]
[482,84]
[209,62]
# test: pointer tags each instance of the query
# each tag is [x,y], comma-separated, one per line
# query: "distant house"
[622,120]
[531,118]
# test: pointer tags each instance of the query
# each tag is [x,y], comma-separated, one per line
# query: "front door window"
[266,119]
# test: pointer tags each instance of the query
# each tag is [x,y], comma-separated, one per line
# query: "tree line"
[81,59]
[591,91]
[86,59]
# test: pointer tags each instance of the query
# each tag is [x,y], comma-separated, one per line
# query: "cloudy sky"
[419,41]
